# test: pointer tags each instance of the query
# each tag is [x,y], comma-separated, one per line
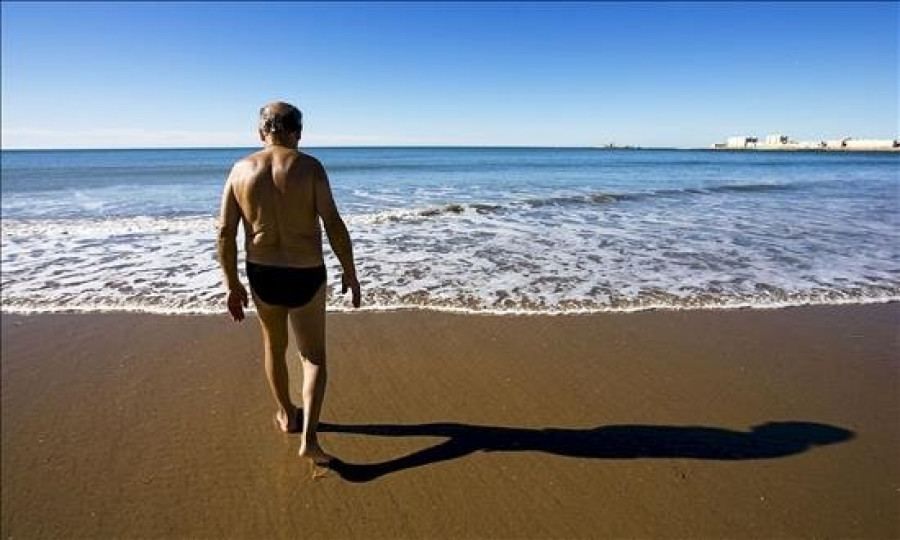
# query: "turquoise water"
[483,229]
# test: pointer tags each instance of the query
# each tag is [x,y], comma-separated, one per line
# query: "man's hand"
[237,301]
[352,284]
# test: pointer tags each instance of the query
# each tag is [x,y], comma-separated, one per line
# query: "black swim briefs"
[283,285]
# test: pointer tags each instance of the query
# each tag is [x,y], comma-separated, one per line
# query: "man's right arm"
[226,247]
[337,233]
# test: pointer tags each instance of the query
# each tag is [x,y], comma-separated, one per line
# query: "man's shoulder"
[256,162]
[249,163]
[308,160]
[310,163]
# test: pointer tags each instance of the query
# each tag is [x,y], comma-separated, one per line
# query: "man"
[279,193]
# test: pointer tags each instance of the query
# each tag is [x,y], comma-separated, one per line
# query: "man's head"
[280,121]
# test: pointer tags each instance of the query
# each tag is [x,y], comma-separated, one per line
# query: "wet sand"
[702,424]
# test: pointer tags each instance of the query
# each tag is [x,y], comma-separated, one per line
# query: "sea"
[491,230]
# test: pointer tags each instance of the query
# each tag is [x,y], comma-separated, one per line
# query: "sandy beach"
[669,424]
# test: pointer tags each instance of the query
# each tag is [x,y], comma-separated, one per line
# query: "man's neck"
[281,144]
[282,141]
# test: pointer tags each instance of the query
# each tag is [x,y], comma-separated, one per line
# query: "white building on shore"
[741,141]
[777,141]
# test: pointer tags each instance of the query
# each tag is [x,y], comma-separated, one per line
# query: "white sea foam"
[219,309]
[455,257]
[486,232]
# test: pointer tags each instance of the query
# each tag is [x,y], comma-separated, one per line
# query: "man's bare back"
[280,193]
[276,190]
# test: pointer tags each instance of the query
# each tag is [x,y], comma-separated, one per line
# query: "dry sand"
[702,424]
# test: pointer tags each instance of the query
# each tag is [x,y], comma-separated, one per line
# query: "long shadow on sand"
[766,441]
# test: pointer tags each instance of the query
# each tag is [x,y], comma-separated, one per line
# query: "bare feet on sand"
[317,458]
[314,453]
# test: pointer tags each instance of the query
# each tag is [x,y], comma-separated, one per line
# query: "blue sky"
[555,74]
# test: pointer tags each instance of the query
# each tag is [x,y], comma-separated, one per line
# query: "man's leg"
[273,320]
[308,323]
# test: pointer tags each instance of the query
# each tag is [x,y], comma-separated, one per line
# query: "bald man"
[279,194]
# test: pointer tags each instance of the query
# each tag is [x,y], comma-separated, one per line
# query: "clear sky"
[555,74]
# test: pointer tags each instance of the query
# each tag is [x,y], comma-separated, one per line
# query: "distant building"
[836,144]
[776,139]
[741,142]
[870,144]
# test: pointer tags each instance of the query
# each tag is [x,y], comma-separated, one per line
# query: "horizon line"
[500,146]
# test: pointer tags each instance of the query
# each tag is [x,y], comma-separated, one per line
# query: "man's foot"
[289,425]
[315,454]
[319,461]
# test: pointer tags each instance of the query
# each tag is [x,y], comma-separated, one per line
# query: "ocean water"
[479,229]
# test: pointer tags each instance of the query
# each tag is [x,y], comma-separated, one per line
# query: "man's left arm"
[226,246]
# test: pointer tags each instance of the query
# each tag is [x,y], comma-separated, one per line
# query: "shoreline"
[702,424]
[465,311]
[4,310]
